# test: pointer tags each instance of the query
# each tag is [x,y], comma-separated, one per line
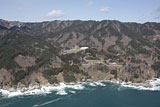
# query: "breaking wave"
[150,85]
[61,89]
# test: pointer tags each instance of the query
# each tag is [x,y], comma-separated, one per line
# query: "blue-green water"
[111,95]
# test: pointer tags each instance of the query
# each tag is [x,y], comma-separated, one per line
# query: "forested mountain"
[70,51]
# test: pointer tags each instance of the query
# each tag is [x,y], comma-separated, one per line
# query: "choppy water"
[99,94]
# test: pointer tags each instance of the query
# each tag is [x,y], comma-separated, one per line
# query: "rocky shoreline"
[151,85]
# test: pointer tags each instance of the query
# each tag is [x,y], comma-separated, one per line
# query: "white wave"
[72,92]
[151,85]
[61,89]
[99,83]
[94,84]
[62,92]
[10,94]
[42,90]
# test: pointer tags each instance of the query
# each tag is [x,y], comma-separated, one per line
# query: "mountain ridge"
[21,22]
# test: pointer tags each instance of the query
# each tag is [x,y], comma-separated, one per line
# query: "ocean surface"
[98,94]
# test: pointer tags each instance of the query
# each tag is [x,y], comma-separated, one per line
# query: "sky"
[140,11]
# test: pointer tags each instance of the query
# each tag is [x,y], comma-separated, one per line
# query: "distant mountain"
[50,52]
[9,24]
[2,27]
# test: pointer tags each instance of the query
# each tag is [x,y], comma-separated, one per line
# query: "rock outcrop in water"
[70,51]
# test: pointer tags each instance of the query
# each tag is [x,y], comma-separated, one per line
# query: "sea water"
[89,94]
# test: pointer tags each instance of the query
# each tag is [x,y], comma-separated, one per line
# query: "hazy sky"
[42,10]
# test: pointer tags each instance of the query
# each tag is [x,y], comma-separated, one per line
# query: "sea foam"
[151,85]
[60,89]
